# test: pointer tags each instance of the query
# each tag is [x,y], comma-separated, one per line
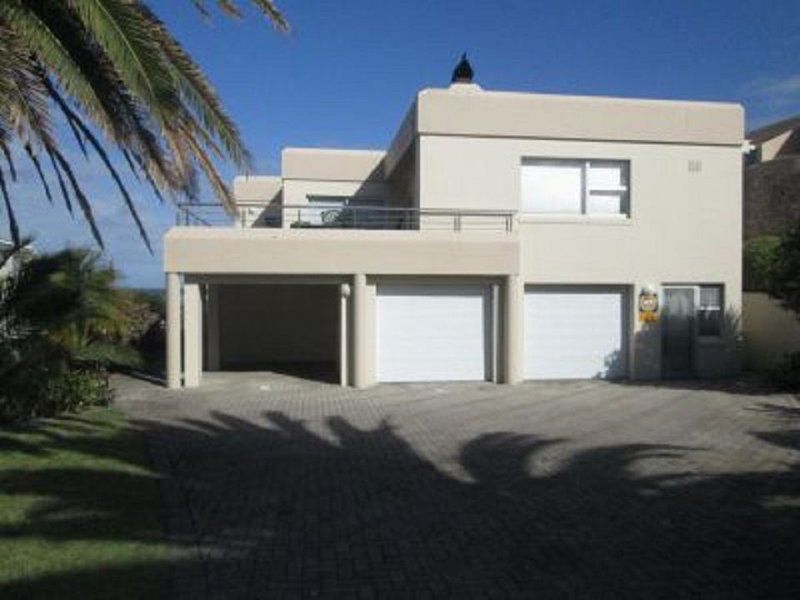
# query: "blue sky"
[348,71]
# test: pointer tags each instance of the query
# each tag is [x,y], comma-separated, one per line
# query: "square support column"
[513,355]
[212,327]
[174,318]
[344,363]
[362,338]
[192,335]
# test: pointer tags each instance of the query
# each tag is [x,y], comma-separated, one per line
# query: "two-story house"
[501,236]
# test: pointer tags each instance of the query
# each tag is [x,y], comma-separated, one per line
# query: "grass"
[80,513]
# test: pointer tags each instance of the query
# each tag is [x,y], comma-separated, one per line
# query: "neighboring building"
[772,179]
[7,267]
[771,206]
[501,236]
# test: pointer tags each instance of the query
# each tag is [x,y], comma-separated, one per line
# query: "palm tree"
[61,315]
[113,70]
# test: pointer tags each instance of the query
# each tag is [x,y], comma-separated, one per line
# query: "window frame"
[585,164]
[700,307]
[697,307]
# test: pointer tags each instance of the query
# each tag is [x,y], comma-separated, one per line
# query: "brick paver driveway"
[282,488]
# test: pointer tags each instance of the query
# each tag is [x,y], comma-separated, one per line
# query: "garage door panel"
[573,334]
[431,332]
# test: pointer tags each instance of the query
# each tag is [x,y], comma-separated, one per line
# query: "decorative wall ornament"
[648,305]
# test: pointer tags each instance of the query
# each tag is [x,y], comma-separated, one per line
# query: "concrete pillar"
[514,295]
[360,339]
[192,335]
[344,363]
[212,327]
[173,333]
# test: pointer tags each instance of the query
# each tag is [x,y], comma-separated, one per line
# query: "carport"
[294,325]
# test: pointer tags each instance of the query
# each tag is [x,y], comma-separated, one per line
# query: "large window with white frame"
[575,187]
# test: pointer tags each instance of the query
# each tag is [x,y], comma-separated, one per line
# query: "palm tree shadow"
[270,506]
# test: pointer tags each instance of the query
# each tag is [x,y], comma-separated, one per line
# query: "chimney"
[463,72]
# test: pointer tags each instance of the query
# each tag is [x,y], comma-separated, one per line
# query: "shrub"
[63,322]
[758,262]
[55,392]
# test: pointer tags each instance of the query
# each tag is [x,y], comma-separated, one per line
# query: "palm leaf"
[38,166]
[98,147]
[61,183]
[112,64]
[12,219]
[83,201]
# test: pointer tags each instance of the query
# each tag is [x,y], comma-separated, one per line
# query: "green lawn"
[80,514]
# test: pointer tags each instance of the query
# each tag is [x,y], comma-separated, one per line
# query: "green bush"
[52,393]
[759,257]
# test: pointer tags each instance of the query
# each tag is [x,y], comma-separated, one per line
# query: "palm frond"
[60,178]
[118,75]
[83,201]
[273,14]
[72,117]
[9,161]
[38,166]
[13,227]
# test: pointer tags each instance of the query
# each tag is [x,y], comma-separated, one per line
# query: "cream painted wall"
[771,147]
[260,324]
[685,227]
[222,250]
[296,191]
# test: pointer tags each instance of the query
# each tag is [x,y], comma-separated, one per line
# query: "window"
[709,311]
[575,187]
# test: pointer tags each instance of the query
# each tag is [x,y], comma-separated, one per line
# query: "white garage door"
[575,333]
[432,332]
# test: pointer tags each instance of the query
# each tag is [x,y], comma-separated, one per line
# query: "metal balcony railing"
[347,216]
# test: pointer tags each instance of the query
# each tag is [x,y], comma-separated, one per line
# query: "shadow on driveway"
[263,507]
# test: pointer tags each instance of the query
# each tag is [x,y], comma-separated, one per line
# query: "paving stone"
[285,488]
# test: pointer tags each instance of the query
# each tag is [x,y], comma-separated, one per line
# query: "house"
[772,179]
[501,236]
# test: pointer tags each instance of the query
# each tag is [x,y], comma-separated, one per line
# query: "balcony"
[345,216]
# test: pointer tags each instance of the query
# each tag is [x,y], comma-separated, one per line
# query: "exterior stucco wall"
[256,189]
[212,250]
[770,331]
[470,111]
[297,191]
[261,324]
[332,164]
[685,226]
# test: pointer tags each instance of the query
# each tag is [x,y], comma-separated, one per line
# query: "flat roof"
[471,111]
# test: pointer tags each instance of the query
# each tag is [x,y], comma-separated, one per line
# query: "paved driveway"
[282,488]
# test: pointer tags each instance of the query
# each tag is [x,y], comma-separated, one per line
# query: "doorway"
[678,332]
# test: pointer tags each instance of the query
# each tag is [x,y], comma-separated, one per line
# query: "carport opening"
[283,328]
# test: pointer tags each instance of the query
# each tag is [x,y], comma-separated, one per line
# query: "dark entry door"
[677,332]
